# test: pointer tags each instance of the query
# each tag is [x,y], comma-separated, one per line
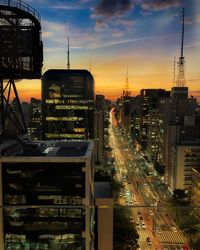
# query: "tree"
[196,244]
[116,187]
[124,232]
[160,169]
[179,194]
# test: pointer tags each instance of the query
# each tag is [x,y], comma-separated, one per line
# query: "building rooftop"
[70,149]
[102,189]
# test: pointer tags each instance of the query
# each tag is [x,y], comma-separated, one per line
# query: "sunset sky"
[143,35]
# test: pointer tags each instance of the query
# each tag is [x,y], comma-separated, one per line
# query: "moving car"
[137,225]
[174,229]
[143,225]
[159,230]
[151,212]
[148,240]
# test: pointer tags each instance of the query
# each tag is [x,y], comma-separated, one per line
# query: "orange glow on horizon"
[110,81]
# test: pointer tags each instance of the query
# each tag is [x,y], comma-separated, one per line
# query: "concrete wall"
[105,223]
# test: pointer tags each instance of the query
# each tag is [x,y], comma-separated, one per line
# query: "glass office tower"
[47,196]
[67,104]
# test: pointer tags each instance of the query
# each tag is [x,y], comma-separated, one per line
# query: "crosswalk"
[143,235]
[170,240]
[168,236]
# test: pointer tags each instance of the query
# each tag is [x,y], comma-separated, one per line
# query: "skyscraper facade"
[46,191]
[35,123]
[150,100]
[68,104]
[99,129]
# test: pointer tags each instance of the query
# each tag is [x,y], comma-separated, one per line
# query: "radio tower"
[126,91]
[174,72]
[180,82]
[68,62]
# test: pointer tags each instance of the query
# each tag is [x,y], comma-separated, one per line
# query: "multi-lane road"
[155,226]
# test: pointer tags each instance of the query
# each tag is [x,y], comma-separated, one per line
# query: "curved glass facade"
[67,104]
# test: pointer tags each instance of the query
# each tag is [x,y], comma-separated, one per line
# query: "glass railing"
[163,227]
[42,227]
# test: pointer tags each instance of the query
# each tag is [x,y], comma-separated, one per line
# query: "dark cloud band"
[111,8]
[159,4]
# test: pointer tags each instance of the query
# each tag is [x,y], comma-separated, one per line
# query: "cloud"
[157,5]
[55,33]
[191,45]
[117,33]
[60,5]
[127,23]
[100,25]
[119,42]
[198,19]
[55,36]
[188,20]
[85,1]
[110,8]
[65,6]
[53,49]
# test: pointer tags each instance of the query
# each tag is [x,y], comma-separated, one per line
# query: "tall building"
[68,104]
[35,123]
[135,117]
[185,157]
[99,129]
[149,101]
[153,136]
[178,125]
[181,141]
[195,190]
[25,109]
[125,112]
[47,195]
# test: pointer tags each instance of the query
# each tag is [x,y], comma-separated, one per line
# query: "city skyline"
[79,171]
[111,36]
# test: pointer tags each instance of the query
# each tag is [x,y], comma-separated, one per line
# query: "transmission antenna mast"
[180,82]
[68,62]
[126,91]
[174,72]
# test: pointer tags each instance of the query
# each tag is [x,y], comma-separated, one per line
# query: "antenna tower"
[180,82]
[126,91]
[68,62]
[174,71]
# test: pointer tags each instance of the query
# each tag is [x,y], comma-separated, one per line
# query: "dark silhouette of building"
[99,129]
[35,122]
[21,58]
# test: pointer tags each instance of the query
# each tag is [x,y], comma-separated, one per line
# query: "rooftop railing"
[22,6]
